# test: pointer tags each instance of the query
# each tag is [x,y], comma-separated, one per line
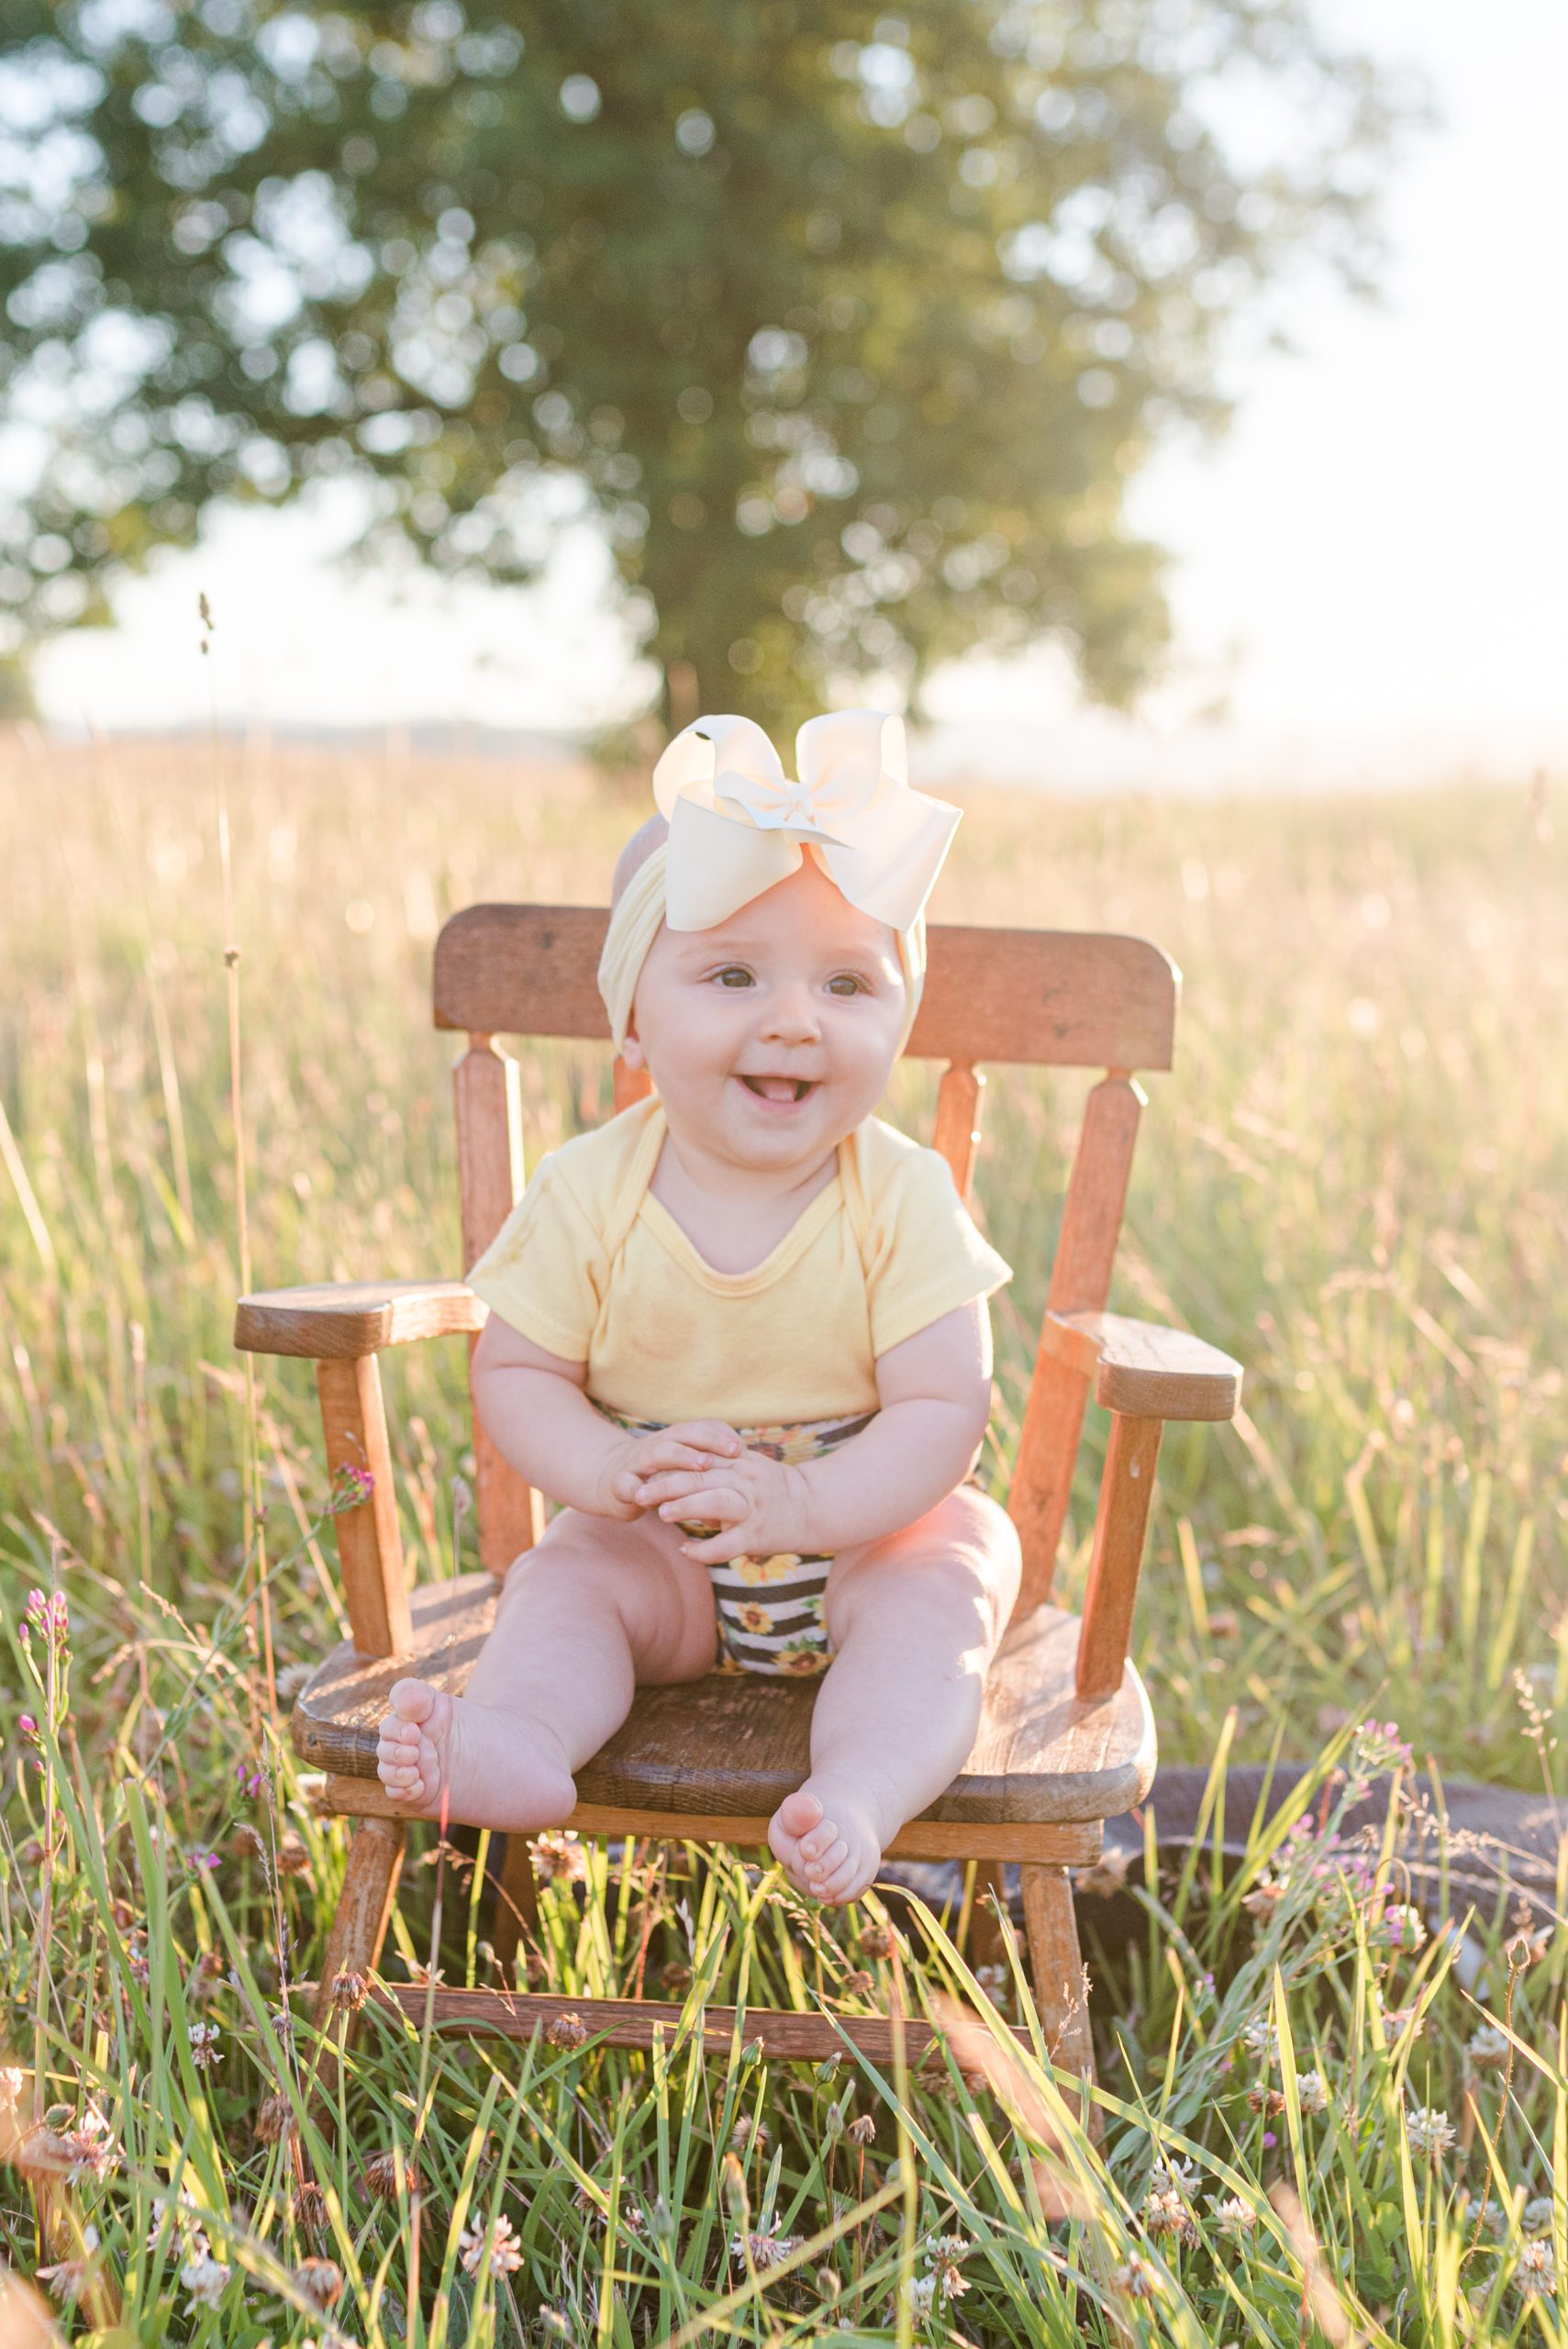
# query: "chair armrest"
[1144,1369]
[348,1320]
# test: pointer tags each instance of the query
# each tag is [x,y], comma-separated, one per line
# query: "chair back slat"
[1080,1282]
[1052,997]
[490,1176]
[959,1099]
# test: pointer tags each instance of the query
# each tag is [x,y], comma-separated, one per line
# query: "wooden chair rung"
[632,2022]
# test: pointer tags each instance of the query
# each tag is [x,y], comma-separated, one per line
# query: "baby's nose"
[790,1012]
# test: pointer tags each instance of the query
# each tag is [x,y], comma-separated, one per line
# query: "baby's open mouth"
[778,1088]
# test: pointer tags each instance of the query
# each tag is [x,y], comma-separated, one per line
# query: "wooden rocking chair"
[1066,1739]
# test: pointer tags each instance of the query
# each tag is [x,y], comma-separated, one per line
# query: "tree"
[851,328]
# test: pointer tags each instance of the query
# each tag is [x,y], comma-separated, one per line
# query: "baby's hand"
[757,1504]
[694,1445]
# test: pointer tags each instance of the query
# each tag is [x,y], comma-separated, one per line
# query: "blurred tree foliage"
[852,327]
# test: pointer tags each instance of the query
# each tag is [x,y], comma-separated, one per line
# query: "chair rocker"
[1066,1738]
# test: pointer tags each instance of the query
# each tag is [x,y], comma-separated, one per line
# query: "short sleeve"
[927,1255]
[545,1271]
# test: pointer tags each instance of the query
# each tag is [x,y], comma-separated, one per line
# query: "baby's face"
[770,1036]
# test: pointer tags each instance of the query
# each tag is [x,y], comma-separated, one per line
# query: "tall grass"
[1352,1181]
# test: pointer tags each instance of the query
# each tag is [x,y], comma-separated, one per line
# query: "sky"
[1371,568]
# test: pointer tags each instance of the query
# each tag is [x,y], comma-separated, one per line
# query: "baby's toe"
[846,1882]
[799,1813]
[828,1863]
[413,1702]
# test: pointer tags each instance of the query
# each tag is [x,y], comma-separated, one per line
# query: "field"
[1353,1181]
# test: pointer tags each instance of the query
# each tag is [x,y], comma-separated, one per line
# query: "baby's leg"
[914,1620]
[599,1605]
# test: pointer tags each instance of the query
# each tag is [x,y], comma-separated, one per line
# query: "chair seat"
[739,1743]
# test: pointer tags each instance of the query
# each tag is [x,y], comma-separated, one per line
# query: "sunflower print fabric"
[770,1609]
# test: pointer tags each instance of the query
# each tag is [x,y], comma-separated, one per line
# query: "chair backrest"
[1041,997]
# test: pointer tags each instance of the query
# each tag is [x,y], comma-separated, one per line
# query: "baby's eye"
[733,977]
[847,983]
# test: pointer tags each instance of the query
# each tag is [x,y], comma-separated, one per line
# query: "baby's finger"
[670,1484]
[666,1455]
[711,1435]
[721,1504]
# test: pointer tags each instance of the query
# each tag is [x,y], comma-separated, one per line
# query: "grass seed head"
[380,2175]
[310,2208]
[350,1991]
[275,2123]
[320,2283]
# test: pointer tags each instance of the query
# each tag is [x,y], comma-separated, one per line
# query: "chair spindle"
[370,1548]
[1120,1522]
[490,1174]
[1079,1283]
[960,1099]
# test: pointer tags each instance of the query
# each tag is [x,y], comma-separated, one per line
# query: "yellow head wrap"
[738,826]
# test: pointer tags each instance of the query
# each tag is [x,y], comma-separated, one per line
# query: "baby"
[740,1332]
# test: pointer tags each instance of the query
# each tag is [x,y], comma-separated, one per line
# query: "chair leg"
[359,1927]
[517,1902]
[985,1943]
[1061,1980]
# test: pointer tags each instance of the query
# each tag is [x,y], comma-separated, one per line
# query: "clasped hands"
[699,1471]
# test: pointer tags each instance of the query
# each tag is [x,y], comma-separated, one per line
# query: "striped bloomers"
[769,1610]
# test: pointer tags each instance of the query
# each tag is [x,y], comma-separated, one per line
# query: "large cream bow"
[737,824]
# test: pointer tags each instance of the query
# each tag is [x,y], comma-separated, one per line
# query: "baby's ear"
[631,1051]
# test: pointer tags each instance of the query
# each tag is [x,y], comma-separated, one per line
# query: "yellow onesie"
[592,1268]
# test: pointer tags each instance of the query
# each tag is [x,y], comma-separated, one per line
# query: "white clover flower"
[504,2250]
[1137,2279]
[1165,2213]
[1171,2175]
[1491,2216]
[1487,2048]
[766,2245]
[1535,2218]
[12,2082]
[204,2038]
[1430,2130]
[1312,2091]
[1233,2217]
[1535,2270]
[922,2292]
[942,2250]
[206,2279]
[186,2226]
[93,2149]
[66,2279]
[1261,2039]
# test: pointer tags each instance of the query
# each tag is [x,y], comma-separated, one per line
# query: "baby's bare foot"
[442,1757]
[828,1838]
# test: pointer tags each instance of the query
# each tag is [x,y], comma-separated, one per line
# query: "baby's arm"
[935,1394]
[536,1414]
